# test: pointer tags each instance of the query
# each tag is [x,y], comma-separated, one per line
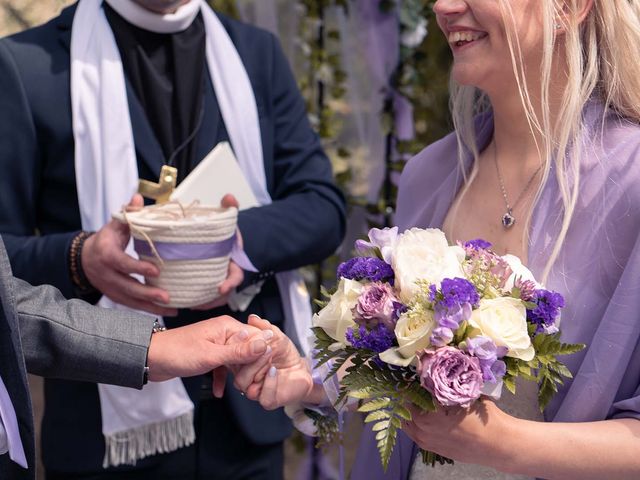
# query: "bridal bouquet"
[437,325]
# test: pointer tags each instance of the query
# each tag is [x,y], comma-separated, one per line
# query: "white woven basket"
[203,230]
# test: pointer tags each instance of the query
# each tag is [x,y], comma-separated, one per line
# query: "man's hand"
[109,268]
[235,275]
[201,347]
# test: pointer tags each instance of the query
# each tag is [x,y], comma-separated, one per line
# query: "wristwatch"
[157,327]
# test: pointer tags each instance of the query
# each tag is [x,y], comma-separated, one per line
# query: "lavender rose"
[377,304]
[451,376]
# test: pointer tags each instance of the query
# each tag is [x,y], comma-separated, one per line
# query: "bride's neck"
[514,133]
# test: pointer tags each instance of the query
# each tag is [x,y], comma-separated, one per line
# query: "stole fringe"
[129,446]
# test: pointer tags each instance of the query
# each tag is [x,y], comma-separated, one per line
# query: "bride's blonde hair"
[602,60]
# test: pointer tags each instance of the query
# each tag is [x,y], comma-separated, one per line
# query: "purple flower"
[477,244]
[380,240]
[457,291]
[487,266]
[527,289]
[366,268]
[398,309]
[486,351]
[378,339]
[451,376]
[376,304]
[452,306]
[546,312]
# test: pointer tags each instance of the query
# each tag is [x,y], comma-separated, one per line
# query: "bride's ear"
[573,12]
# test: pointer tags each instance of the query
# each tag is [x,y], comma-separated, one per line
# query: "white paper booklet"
[215,176]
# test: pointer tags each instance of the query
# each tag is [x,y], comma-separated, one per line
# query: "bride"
[545,164]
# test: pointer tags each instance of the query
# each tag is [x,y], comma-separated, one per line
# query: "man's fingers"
[247,374]
[219,381]
[142,305]
[268,395]
[128,265]
[218,302]
[229,201]
[234,278]
[136,203]
[240,353]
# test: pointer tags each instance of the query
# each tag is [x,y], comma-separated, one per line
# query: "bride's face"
[477,34]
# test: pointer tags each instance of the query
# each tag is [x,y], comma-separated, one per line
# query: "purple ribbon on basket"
[186,251]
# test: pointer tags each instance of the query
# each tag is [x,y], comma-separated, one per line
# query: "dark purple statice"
[452,305]
[545,315]
[477,244]
[378,339]
[399,309]
[457,291]
[366,268]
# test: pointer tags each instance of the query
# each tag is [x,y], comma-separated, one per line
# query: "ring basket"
[190,244]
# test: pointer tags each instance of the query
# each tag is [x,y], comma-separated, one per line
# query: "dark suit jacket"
[61,338]
[304,224]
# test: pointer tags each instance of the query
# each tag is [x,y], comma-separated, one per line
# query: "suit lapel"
[212,131]
[148,149]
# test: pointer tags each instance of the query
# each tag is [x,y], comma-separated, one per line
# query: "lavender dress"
[598,270]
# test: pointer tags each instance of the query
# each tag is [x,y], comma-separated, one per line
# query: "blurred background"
[374,76]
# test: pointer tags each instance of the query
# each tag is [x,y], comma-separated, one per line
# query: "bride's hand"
[280,378]
[475,435]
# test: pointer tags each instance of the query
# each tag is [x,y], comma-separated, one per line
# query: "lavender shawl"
[598,270]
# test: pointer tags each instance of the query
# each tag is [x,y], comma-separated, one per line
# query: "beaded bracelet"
[78,276]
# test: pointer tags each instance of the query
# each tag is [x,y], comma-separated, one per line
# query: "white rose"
[414,334]
[504,320]
[424,255]
[518,271]
[336,317]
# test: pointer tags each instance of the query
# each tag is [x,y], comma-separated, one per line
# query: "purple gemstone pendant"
[508,220]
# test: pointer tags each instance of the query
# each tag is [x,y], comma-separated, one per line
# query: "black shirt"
[166,72]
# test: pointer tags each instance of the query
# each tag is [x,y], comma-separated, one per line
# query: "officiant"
[111,92]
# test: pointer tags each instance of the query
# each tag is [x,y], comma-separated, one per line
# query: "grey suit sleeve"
[74,340]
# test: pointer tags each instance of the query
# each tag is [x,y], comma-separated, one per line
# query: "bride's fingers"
[219,381]
[245,376]
[261,323]
[268,396]
[254,390]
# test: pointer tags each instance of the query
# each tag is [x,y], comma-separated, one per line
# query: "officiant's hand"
[201,347]
[235,274]
[474,435]
[108,268]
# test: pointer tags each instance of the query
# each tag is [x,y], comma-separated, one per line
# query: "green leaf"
[376,404]
[383,425]
[569,348]
[377,415]
[402,412]
[510,383]
[360,394]
[560,369]
[420,397]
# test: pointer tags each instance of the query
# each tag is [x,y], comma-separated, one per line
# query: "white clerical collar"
[156,22]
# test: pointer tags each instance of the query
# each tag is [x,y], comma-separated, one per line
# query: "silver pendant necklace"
[508,220]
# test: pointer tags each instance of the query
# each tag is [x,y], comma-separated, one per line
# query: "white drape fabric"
[159,418]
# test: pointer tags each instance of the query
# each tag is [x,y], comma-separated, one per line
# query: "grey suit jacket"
[43,333]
